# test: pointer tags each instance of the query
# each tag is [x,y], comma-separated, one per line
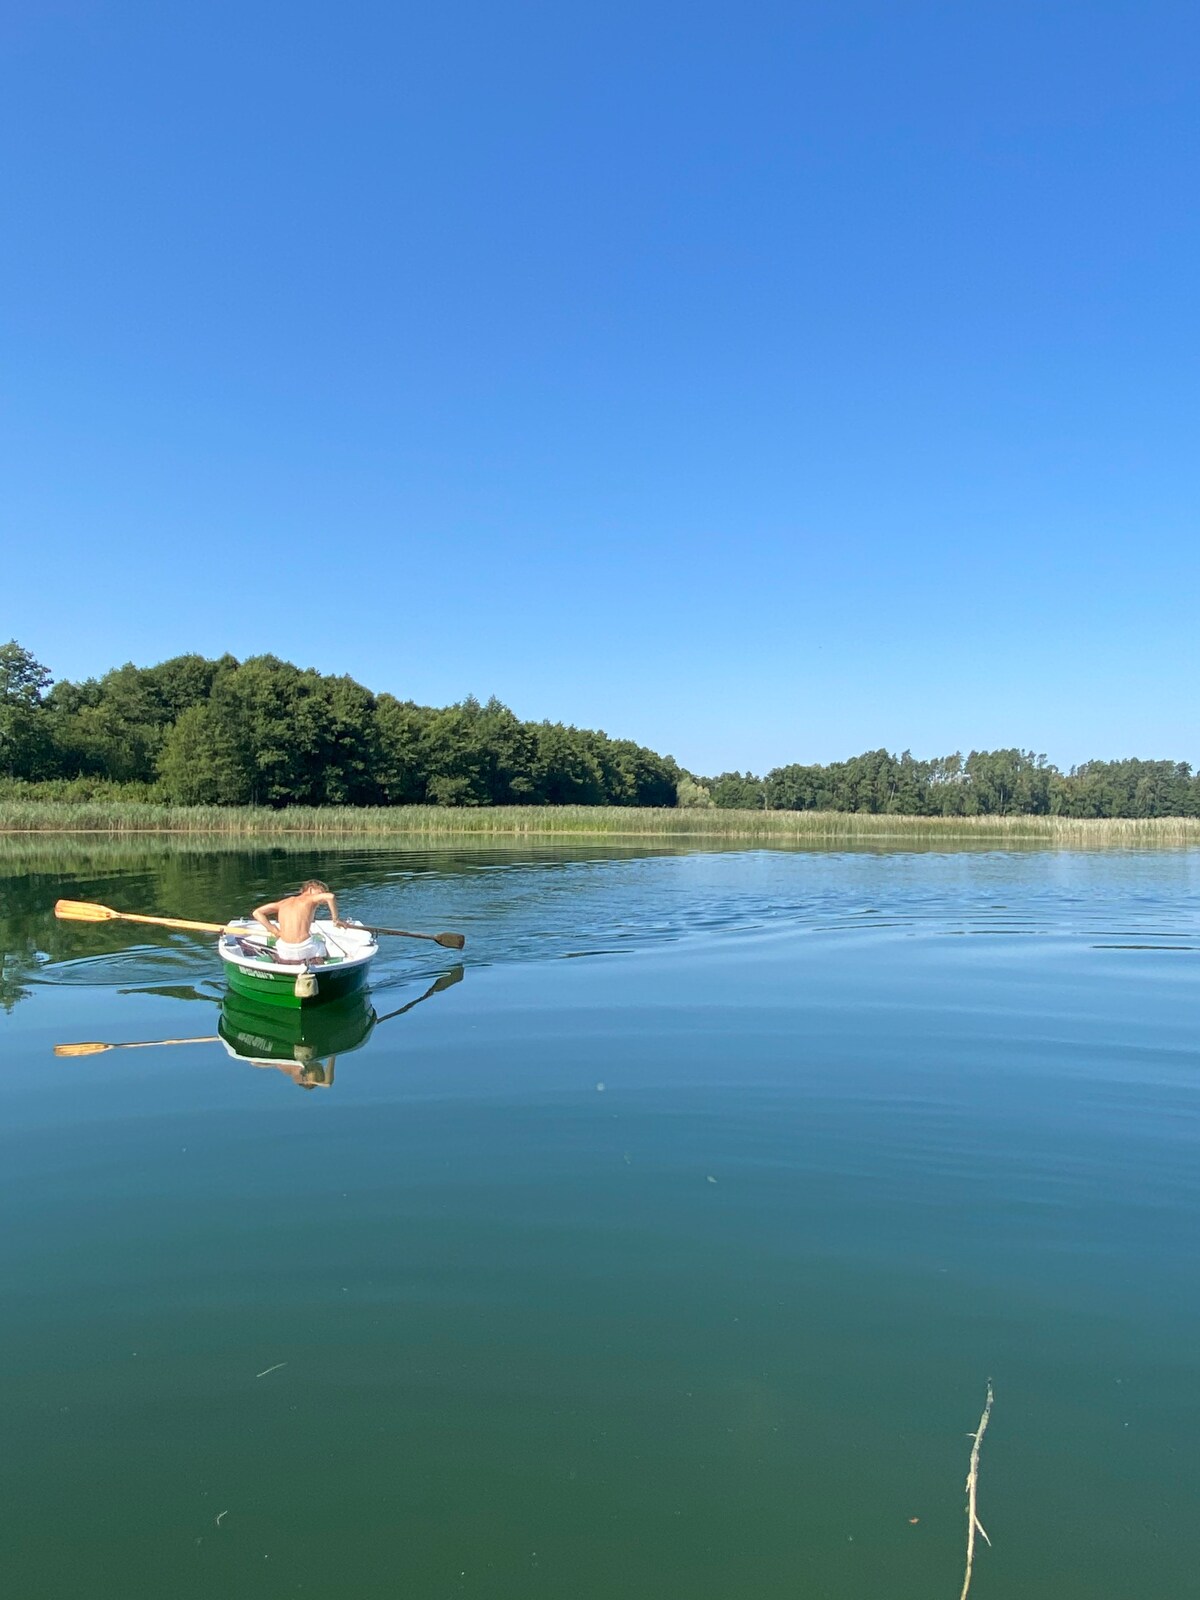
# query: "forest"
[195,731]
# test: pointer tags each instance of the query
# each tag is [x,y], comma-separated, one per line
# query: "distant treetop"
[264,732]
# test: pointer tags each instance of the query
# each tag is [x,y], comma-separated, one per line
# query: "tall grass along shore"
[20,818]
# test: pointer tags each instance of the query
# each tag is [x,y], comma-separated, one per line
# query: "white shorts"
[297,952]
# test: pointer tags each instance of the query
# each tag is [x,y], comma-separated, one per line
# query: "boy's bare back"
[292,918]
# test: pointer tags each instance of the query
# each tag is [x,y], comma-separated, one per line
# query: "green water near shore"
[664,1248]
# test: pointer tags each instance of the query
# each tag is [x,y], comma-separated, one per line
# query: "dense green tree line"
[264,732]
[984,783]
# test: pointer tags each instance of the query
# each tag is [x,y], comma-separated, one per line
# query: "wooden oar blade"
[452,941]
[91,1049]
[83,911]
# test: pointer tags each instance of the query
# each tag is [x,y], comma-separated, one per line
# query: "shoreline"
[22,820]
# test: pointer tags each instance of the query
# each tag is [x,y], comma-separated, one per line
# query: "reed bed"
[118,819]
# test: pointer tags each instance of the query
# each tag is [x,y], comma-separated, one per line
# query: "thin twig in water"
[266,1370]
[973,1521]
[220,1514]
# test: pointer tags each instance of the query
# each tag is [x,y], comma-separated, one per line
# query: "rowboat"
[254,969]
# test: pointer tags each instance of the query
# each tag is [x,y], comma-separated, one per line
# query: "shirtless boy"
[293,920]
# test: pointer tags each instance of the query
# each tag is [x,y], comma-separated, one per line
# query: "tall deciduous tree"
[24,727]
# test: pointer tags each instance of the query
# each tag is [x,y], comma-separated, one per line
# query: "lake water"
[664,1249]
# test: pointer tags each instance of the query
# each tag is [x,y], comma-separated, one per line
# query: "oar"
[452,941]
[94,1047]
[87,911]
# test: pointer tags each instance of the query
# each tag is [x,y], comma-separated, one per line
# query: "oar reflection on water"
[94,1047]
[446,981]
[303,1045]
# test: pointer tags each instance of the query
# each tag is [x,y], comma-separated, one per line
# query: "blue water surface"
[665,1247]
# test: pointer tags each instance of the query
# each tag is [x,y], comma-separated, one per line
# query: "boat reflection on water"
[302,1044]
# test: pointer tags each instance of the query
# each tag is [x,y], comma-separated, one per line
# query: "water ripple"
[543,906]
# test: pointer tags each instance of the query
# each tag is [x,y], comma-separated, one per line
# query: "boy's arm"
[263,916]
[330,900]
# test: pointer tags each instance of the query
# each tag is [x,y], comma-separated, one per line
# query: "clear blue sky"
[762,382]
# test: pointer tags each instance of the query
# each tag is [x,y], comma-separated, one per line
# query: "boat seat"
[264,952]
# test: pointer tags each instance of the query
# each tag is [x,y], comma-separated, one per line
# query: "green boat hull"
[279,988]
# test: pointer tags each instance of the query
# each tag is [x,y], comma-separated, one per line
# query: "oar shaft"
[172,922]
[84,911]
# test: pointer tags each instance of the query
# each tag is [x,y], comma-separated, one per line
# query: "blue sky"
[761,382]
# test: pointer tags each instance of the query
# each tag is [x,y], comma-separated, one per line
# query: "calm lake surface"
[664,1249]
